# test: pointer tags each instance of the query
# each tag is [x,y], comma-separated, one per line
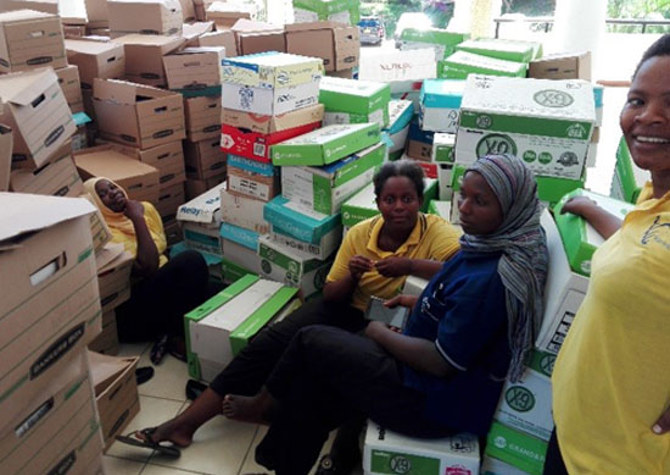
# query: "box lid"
[315,25]
[203,208]
[443,93]
[166,43]
[191,31]
[497,48]
[22,15]
[89,47]
[352,95]
[125,92]
[21,88]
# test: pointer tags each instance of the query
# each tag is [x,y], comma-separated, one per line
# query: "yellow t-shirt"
[431,238]
[611,379]
[155,225]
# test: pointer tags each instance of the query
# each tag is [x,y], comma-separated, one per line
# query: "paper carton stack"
[149,17]
[200,220]
[349,101]
[50,311]
[341,11]
[395,135]
[441,41]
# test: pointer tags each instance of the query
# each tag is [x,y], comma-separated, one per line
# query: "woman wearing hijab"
[162,291]
[470,329]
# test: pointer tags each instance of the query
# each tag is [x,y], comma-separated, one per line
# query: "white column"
[579,25]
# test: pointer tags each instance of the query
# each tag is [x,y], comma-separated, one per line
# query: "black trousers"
[158,302]
[325,378]
[554,464]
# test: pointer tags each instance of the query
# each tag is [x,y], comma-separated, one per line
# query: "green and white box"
[325,145]
[628,178]
[563,292]
[322,250]
[243,212]
[580,239]
[461,64]
[551,189]
[271,70]
[400,116]
[342,11]
[441,104]
[239,247]
[324,189]
[518,51]
[292,267]
[441,208]
[290,219]
[350,101]
[444,180]
[491,466]
[230,271]
[440,40]
[414,285]
[200,220]
[265,101]
[516,448]
[220,327]
[546,123]
[443,148]
[389,453]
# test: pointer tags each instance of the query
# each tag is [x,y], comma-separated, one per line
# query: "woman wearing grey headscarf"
[470,329]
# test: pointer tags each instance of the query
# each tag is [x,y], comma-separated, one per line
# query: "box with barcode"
[350,101]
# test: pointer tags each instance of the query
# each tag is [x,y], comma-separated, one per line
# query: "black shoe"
[194,389]
[144,374]
[329,466]
[159,350]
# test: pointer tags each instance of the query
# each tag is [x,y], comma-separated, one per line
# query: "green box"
[440,208]
[551,189]
[462,63]
[358,100]
[443,148]
[628,178]
[580,239]
[325,145]
[232,272]
[444,41]
[516,448]
[518,51]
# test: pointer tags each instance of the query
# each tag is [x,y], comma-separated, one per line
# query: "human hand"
[375,329]
[359,265]
[394,266]
[662,424]
[407,301]
[134,210]
[578,205]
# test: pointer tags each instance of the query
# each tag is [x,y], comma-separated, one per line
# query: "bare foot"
[254,409]
[169,431]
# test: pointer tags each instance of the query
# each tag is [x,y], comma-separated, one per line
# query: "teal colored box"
[289,219]
[580,239]
[518,51]
[325,145]
[355,97]
[243,237]
[462,63]
[400,115]
[516,448]
[442,93]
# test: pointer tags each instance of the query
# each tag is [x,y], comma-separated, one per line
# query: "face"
[399,202]
[111,195]
[478,206]
[645,118]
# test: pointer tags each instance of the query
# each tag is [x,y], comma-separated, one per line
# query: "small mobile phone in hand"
[395,317]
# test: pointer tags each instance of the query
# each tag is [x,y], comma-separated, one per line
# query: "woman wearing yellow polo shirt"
[611,380]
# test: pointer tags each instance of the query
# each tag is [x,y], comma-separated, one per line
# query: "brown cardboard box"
[59,432]
[141,116]
[96,59]
[138,179]
[116,393]
[257,37]
[225,15]
[149,17]
[30,40]
[36,109]
[337,44]
[419,150]
[74,31]
[225,38]
[203,117]
[252,185]
[168,159]
[194,68]
[144,57]
[187,11]
[566,66]
[204,159]
[113,266]
[344,73]
[96,11]
[192,31]
[5,155]
[57,177]
[173,232]
[100,232]
[269,124]
[50,306]
[170,199]
[68,80]
[196,187]
[107,342]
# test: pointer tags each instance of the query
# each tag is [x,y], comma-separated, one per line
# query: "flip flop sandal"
[148,443]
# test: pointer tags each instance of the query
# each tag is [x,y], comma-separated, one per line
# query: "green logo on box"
[529,156]
[495,144]
[544,158]
[484,121]
[400,464]
[553,98]
[520,399]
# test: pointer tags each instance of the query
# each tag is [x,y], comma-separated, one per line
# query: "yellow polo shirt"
[431,238]
[611,379]
[155,226]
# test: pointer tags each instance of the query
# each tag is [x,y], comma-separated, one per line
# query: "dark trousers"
[554,464]
[158,302]
[325,378]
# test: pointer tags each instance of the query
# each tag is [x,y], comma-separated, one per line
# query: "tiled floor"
[220,447]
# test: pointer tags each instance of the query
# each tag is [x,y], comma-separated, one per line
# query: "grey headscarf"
[521,239]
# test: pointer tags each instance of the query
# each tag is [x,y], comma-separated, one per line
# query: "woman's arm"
[342,289]
[602,221]
[146,261]
[401,266]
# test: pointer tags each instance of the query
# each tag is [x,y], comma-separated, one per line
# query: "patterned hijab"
[521,239]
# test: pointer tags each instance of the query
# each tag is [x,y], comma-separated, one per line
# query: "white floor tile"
[118,466]
[133,349]
[169,380]
[156,470]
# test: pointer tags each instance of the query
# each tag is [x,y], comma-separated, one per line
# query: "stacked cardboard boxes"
[149,17]
[395,135]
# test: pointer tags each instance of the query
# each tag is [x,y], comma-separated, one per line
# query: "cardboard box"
[441,105]
[414,285]
[325,145]
[580,239]
[192,31]
[195,187]
[269,124]
[168,159]
[385,452]
[136,115]
[322,250]
[116,394]
[222,326]
[272,70]
[239,246]
[107,342]
[288,218]
[492,466]
[266,101]
[460,64]
[203,117]
[341,11]
[225,15]
[37,112]
[204,159]
[58,177]
[96,59]
[516,448]
[443,148]
[138,179]
[148,17]
[245,179]
[257,146]
[68,80]
[96,11]
[58,433]
[200,219]
[195,68]
[6,143]
[258,37]
[114,266]
[50,307]
[445,180]
[441,41]
[187,11]
[349,101]
[247,213]
[562,66]
[144,57]
[396,65]
[30,39]
[518,51]
[546,123]
[324,189]
[100,232]
[338,46]
[225,38]
[170,199]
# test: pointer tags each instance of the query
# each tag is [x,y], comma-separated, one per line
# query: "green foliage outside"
[648,9]
[389,11]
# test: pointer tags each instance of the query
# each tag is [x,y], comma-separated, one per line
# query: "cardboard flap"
[114,90]
[315,25]
[104,368]
[244,25]
[5,154]
[21,213]
[193,30]
[109,252]
[24,87]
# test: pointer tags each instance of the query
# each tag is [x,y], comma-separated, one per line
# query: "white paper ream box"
[389,453]
[492,466]
[563,292]
[200,220]
[461,64]
[395,65]
[266,101]
[50,307]
[443,148]
[546,123]
[271,70]
[519,51]
[354,101]
[240,245]
[340,11]
[580,239]
[325,188]
[440,208]
[243,212]
[290,219]
[440,40]
[325,248]
[441,104]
